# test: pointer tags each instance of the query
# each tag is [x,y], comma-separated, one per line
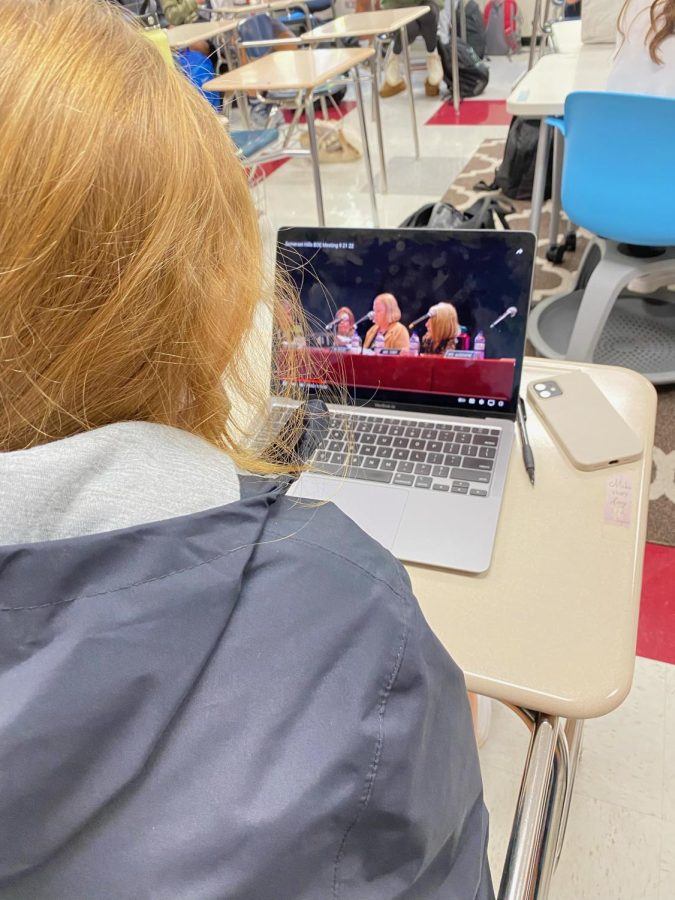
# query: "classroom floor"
[620,841]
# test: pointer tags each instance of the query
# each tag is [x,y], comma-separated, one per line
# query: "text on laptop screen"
[422,318]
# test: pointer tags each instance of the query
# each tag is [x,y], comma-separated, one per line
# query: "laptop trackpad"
[377,510]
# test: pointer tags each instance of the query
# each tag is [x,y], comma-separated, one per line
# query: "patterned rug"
[550,279]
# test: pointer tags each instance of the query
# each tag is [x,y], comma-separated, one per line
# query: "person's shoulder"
[336,544]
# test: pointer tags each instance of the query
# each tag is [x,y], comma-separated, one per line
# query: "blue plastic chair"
[618,183]
[248,143]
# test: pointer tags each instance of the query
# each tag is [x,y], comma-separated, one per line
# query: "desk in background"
[185,35]
[304,71]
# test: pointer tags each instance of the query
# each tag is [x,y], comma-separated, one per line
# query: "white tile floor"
[620,841]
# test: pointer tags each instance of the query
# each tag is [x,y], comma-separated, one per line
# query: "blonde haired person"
[443,329]
[387,319]
[645,56]
[207,690]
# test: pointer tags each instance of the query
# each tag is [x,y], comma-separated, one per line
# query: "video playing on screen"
[417,315]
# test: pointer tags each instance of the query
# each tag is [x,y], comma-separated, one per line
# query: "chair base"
[639,333]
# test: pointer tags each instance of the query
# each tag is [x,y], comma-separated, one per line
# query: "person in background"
[425,27]
[645,58]
[207,689]
[345,329]
[184,12]
[443,329]
[387,319]
[181,12]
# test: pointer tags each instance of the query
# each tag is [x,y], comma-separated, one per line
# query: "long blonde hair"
[131,272]
[662,25]
[444,324]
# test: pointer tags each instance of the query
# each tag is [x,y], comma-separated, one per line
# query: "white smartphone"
[583,422]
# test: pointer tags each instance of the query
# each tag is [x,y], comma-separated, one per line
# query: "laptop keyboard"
[452,458]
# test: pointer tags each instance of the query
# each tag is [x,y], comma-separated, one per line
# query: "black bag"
[473,72]
[515,175]
[484,213]
[475,28]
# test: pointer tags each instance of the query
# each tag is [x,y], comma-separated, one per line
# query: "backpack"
[484,213]
[515,175]
[503,27]
[476,36]
[474,74]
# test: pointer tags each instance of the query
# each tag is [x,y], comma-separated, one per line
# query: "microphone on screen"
[368,315]
[429,314]
[509,314]
[336,321]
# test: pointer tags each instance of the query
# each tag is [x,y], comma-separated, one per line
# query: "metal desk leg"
[411,99]
[559,792]
[545,29]
[574,731]
[539,184]
[366,147]
[556,187]
[536,25]
[456,99]
[314,150]
[520,868]
[375,70]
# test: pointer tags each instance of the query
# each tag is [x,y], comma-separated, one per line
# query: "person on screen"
[345,328]
[443,329]
[387,319]
[208,689]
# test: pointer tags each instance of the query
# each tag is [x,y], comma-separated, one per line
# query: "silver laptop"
[423,331]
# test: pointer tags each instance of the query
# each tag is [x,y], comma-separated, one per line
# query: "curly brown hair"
[662,19]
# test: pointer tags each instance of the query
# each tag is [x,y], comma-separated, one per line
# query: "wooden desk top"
[542,91]
[366,24]
[185,35]
[291,70]
[552,625]
[250,9]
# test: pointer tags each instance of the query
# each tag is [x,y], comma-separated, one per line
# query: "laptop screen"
[412,318]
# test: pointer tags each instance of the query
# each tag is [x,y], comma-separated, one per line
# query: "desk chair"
[255,34]
[617,184]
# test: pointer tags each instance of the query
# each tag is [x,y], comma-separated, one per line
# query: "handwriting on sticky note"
[619,500]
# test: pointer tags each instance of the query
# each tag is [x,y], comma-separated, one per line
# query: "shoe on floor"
[434,73]
[390,90]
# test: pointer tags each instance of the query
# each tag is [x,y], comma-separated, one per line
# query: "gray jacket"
[244,703]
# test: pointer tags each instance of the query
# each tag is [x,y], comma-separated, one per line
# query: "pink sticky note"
[619,500]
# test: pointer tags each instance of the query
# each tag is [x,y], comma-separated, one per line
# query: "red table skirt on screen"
[421,374]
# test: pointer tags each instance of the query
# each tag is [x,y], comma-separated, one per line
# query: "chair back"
[260,28]
[618,171]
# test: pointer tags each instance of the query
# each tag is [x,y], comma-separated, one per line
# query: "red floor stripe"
[472,112]
[264,170]
[656,630]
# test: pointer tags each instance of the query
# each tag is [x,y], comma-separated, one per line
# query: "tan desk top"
[291,70]
[552,625]
[250,9]
[366,24]
[184,35]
